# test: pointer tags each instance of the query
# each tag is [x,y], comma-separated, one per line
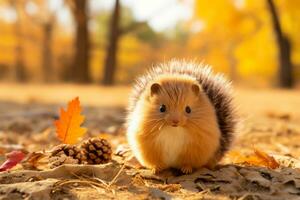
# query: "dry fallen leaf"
[258,158]
[32,160]
[68,126]
[13,158]
[266,159]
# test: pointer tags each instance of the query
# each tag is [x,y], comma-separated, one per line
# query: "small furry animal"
[180,116]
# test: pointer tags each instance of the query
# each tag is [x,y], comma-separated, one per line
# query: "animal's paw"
[211,164]
[186,169]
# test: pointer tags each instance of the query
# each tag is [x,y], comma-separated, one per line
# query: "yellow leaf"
[68,126]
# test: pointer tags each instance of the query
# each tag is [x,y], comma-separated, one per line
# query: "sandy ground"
[270,121]
[57,94]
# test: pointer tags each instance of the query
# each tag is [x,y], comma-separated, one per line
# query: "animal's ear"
[155,88]
[196,89]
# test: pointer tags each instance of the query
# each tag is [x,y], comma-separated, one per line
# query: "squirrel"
[180,115]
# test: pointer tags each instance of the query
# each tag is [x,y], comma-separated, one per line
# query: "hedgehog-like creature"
[181,116]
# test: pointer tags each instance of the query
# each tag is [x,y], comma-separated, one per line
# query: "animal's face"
[174,103]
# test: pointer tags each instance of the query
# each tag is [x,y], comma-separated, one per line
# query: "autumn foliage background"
[111,42]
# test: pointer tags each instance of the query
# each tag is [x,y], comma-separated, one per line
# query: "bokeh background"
[255,43]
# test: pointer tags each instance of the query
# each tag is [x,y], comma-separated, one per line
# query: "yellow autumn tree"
[237,36]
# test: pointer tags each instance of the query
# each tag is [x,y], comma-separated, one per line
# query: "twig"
[81,181]
[97,179]
[101,181]
[117,175]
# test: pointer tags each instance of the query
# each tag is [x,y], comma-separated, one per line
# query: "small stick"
[81,181]
[117,175]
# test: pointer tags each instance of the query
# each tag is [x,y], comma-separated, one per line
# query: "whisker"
[154,121]
[161,125]
[154,127]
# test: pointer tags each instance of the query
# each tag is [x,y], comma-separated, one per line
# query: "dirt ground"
[270,122]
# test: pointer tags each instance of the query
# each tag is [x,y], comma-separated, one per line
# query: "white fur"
[172,140]
[136,119]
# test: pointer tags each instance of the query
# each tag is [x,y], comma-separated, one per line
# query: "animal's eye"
[188,109]
[162,108]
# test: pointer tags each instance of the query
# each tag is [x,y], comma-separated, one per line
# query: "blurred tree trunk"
[285,72]
[114,36]
[19,64]
[82,47]
[112,48]
[20,72]
[47,51]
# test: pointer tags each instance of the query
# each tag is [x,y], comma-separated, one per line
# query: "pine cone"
[65,154]
[96,151]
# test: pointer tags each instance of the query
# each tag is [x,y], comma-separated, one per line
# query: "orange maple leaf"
[68,126]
